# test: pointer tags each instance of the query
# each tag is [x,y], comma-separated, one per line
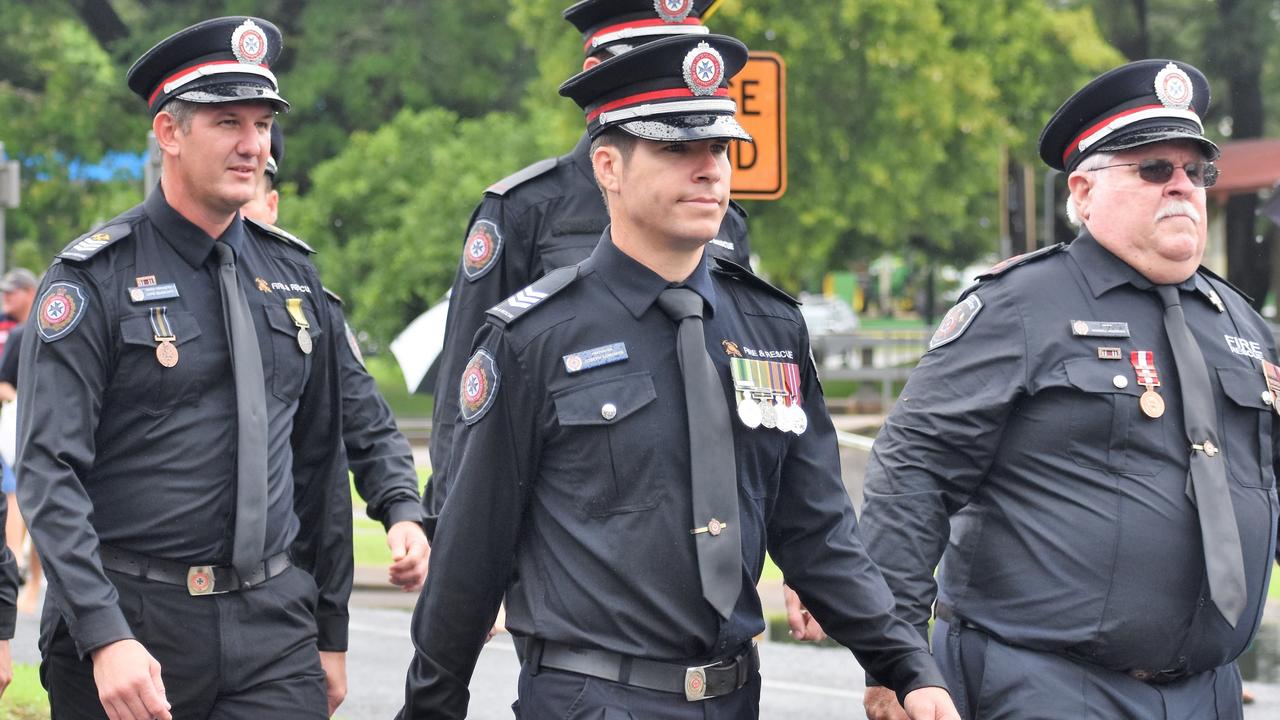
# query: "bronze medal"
[1152,404]
[167,353]
[304,341]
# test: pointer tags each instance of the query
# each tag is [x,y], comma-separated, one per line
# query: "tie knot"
[226,256]
[680,303]
[1168,295]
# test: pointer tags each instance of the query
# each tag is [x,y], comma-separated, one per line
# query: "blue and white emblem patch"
[479,386]
[956,321]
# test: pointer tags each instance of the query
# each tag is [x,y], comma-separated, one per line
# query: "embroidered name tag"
[1099,328]
[147,293]
[595,357]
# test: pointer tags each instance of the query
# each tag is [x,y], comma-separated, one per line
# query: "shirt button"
[608,411]
[1120,381]
[1266,397]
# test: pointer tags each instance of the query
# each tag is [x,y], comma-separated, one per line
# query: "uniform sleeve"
[813,537]
[8,580]
[937,446]
[60,388]
[322,493]
[469,298]
[9,358]
[475,541]
[378,455]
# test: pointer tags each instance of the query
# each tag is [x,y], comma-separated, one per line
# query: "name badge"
[149,293]
[595,357]
[1099,328]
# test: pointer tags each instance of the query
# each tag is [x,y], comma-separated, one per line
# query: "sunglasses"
[1201,174]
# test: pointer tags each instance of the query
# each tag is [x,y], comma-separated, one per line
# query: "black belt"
[198,579]
[695,683]
[1154,677]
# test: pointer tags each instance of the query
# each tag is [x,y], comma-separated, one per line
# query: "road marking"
[804,689]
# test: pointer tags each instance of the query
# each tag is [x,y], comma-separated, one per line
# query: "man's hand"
[930,703]
[335,678]
[803,626]
[6,666]
[128,681]
[410,552]
[880,703]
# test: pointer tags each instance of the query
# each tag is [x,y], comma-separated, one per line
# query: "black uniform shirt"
[378,454]
[1070,527]
[9,357]
[547,216]
[117,449]
[591,507]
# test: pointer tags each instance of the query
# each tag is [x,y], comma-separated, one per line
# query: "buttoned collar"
[1104,271]
[190,242]
[636,286]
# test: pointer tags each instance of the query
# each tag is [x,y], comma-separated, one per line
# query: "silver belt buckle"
[695,684]
[200,580]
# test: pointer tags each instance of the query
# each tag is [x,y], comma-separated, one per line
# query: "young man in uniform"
[180,443]
[1089,443]
[603,488]
[378,454]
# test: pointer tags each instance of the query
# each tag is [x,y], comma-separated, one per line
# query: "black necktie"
[1207,485]
[714,475]
[251,420]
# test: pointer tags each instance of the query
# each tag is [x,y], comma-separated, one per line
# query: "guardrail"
[886,357]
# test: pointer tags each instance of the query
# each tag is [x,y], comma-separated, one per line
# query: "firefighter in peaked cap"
[181,425]
[1098,416]
[549,215]
[633,587]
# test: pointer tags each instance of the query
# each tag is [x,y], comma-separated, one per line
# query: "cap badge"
[249,43]
[1173,87]
[703,69]
[673,11]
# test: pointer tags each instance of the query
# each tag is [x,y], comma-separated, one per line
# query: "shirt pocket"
[610,442]
[289,365]
[1108,429]
[1246,427]
[140,379]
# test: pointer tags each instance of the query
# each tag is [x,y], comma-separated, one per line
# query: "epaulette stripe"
[505,185]
[90,244]
[526,299]
[281,234]
[733,269]
[1019,260]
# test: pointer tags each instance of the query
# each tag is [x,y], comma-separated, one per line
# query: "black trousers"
[559,694]
[242,655]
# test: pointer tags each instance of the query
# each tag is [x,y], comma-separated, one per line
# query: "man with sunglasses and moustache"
[1088,444]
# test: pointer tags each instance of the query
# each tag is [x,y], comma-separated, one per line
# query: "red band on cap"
[636,24]
[1101,124]
[649,96]
[160,85]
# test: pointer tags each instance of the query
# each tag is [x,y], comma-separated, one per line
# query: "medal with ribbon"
[768,394]
[166,351]
[1144,367]
[294,306]
[1271,372]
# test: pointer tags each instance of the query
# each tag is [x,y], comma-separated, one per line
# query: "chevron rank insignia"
[479,386]
[527,299]
[480,254]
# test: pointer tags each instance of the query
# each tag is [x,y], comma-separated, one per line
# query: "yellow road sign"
[760,170]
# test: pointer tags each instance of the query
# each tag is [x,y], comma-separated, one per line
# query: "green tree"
[389,213]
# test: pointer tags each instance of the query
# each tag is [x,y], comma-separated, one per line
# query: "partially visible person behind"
[17,293]
[8,603]
[378,454]
[1089,445]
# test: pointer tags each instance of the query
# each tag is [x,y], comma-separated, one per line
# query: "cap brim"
[1138,137]
[234,92]
[685,128]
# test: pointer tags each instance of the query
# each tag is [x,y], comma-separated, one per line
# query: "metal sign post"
[10,178]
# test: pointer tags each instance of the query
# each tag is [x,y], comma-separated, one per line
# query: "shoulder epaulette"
[88,245]
[733,205]
[511,309]
[1226,282]
[333,296]
[504,186]
[733,269]
[280,234]
[1019,260]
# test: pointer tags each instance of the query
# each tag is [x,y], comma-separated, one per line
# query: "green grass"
[390,380]
[1273,593]
[25,698]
